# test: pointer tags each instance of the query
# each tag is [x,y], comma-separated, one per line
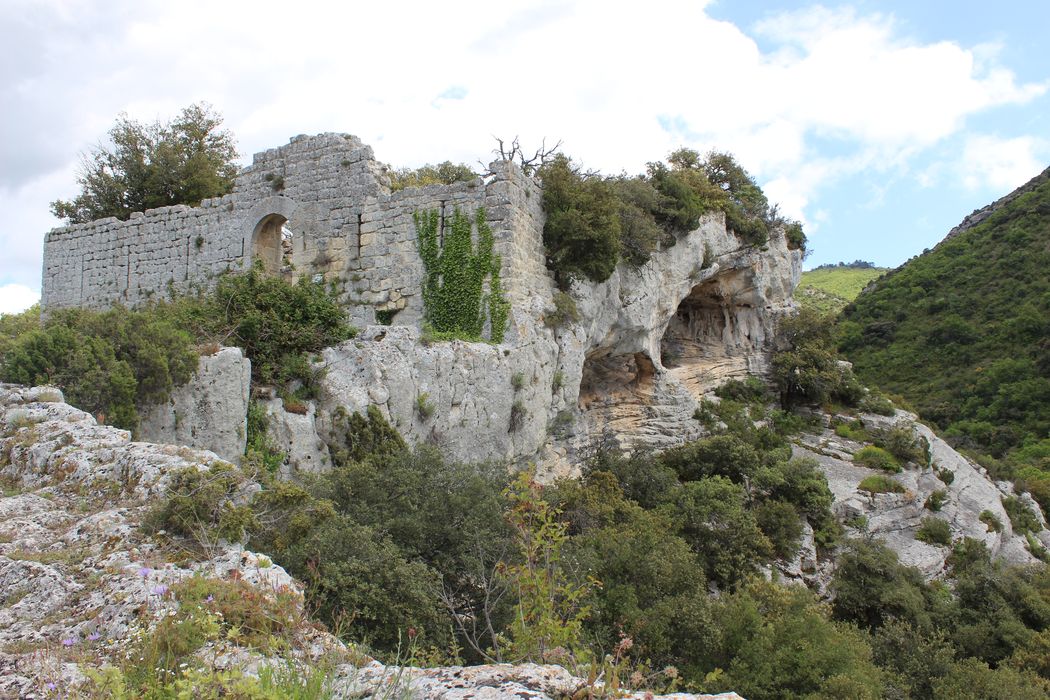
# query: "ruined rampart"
[320,206]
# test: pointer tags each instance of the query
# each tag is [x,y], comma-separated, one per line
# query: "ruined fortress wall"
[346,228]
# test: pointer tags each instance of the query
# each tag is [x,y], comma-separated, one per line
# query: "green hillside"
[829,289]
[963,333]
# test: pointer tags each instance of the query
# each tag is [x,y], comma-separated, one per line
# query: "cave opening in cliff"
[611,379]
[706,325]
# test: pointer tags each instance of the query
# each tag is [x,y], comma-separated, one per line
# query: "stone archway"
[268,243]
[266,234]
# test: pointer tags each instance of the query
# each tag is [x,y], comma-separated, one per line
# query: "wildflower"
[160,590]
[209,599]
[145,571]
[51,685]
[68,642]
[94,636]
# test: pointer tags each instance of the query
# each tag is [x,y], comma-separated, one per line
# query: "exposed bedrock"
[209,411]
[648,343]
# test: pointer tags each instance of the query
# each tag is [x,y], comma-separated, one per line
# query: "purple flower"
[209,599]
[145,571]
[94,636]
[51,685]
[69,641]
[160,590]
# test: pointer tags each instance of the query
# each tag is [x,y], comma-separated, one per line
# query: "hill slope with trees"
[963,333]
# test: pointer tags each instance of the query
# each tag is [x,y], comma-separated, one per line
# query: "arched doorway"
[272,243]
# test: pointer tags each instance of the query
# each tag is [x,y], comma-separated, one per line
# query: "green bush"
[877,483]
[1022,520]
[876,458]
[853,430]
[936,500]
[107,363]
[277,324]
[991,521]
[582,230]
[445,173]
[749,390]
[809,370]
[780,522]
[877,403]
[934,531]
[204,504]
[903,444]
[564,313]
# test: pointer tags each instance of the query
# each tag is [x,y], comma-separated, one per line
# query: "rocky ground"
[82,588]
[968,492]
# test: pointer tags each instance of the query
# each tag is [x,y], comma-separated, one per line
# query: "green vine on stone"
[454,298]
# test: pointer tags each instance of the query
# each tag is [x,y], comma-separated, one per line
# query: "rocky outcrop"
[81,583]
[526,681]
[208,412]
[895,518]
[648,343]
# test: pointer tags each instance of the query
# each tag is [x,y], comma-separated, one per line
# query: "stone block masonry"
[319,207]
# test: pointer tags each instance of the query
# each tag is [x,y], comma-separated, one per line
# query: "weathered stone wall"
[330,197]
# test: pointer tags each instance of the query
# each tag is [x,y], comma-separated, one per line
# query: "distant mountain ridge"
[979,215]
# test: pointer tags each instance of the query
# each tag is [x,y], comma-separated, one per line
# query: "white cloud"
[840,92]
[1000,164]
[15,298]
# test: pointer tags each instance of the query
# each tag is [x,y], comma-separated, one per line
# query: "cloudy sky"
[878,124]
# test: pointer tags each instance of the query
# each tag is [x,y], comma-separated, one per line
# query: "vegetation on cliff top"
[594,222]
[963,333]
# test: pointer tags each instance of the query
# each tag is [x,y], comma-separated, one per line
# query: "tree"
[153,165]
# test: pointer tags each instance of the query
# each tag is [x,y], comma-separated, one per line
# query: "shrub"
[947,476]
[582,230]
[903,443]
[779,521]
[564,312]
[749,390]
[934,531]
[877,403]
[877,483]
[991,521]
[274,322]
[517,416]
[936,500]
[445,173]
[517,381]
[108,363]
[852,431]
[796,237]
[550,607]
[424,406]
[204,504]
[1022,520]
[876,458]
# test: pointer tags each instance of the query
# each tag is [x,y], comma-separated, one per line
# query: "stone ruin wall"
[347,228]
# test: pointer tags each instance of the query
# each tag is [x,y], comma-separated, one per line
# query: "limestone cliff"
[646,346]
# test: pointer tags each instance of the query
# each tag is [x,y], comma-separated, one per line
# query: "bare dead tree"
[516,153]
[475,624]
